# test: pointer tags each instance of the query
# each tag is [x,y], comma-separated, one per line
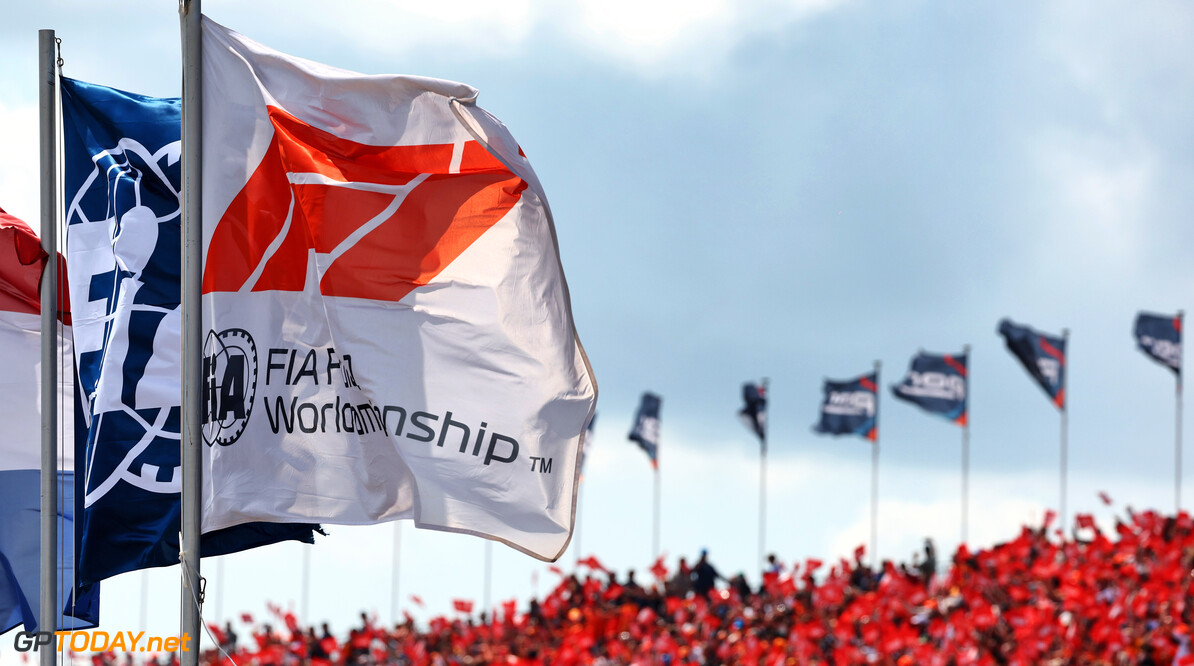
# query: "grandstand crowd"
[1089,597]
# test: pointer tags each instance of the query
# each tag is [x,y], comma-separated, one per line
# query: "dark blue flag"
[851,407]
[646,427]
[1160,336]
[937,383]
[122,189]
[1043,356]
[754,410]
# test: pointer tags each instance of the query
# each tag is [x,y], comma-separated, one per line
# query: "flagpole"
[306,590]
[966,450]
[190,12]
[875,478]
[580,495]
[655,532]
[48,619]
[1065,409]
[394,572]
[1177,444]
[763,489]
[488,578]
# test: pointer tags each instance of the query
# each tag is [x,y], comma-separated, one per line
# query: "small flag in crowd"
[754,410]
[1160,336]
[850,407]
[22,261]
[462,605]
[1043,356]
[122,187]
[380,250]
[646,427]
[937,384]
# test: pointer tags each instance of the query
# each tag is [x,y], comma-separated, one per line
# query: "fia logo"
[229,384]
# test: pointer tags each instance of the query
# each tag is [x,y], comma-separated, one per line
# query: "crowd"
[1090,597]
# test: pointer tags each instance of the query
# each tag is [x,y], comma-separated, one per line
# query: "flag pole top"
[966,348]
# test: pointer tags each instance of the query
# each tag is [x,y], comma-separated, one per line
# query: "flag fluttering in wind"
[754,410]
[646,427]
[1160,337]
[1042,355]
[937,384]
[122,182]
[22,261]
[850,408]
[388,332]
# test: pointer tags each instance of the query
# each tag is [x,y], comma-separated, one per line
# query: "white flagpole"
[580,495]
[306,589]
[1177,444]
[190,12]
[966,450]
[655,531]
[488,580]
[875,479]
[394,572]
[1065,409]
[48,619]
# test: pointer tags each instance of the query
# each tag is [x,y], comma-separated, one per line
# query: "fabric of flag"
[22,261]
[937,384]
[1160,337]
[122,195]
[754,410]
[851,407]
[388,328]
[645,432]
[1043,356]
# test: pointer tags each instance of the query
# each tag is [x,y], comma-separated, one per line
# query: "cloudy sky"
[782,188]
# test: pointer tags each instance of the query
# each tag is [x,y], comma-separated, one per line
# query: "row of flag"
[386,324]
[937,383]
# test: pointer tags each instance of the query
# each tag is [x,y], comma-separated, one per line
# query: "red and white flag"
[388,332]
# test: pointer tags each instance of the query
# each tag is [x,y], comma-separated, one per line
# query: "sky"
[762,188]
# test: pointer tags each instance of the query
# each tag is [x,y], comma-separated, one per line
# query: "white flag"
[388,330]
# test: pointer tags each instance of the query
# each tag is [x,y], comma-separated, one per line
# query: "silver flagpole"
[48,620]
[394,572]
[1177,444]
[580,495]
[875,478]
[1065,408]
[655,532]
[488,579]
[306,589]
[763,488]
[190,12]
[966,450]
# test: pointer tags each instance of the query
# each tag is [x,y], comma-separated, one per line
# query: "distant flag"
[1104,498]
[659,569]
[122,183]
[416,600]
[1042,355]
[462,605]
[937,384]
[390,334]
[754,410]
[593,563]
[246,618]
[850,408]
[22,261]
[1160,337]
[646,427]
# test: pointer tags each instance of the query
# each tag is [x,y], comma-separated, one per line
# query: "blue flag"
[851,407]
[937,383]
[1043,356]
[754,410]
[646,427]
[1160,336]
[122,189]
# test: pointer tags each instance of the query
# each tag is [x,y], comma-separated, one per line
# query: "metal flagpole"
[306,591]
[1177,444]
[394,572]
[875,478]
[488,578]
[580,495]
[190,13]
[1065,408]
[655,533]
[966,449]
[763,488]
[48,620]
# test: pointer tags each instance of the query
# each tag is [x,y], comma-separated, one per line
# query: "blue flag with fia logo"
[937,384]
[1160,337]
[1043,356]
[646,427]
[123,211]
[851,407]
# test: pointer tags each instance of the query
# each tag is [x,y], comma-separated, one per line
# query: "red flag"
[1050,516]
[1105,497]
[592,563]
[462,605]
[659,569]
[1085,520]
[247,618]
[859,552]
[556,570]
[417,600]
